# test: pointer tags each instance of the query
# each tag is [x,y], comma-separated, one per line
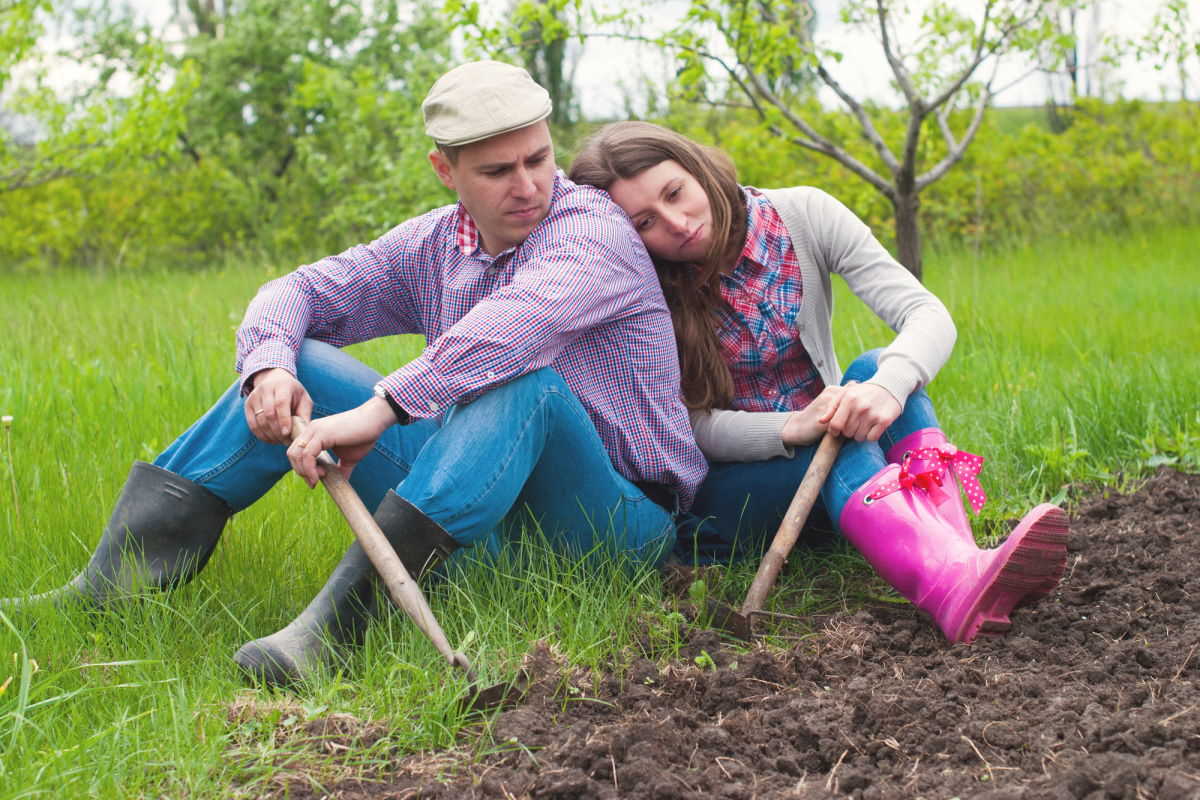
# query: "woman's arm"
[925,332]
[726,435]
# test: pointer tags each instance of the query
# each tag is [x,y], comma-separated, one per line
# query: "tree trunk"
[908,231]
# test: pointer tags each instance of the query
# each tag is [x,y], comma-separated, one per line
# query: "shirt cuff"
[419,390]
[267,355]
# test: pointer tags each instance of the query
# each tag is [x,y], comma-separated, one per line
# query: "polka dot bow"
[926,469]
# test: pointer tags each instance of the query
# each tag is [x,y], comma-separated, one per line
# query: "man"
[549,381]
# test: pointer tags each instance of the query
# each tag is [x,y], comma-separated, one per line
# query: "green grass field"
[1076,365]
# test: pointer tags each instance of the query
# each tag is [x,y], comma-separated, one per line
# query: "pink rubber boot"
[928,456]
[966,590]
[930,462]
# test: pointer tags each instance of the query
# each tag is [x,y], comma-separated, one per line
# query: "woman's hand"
[863,412]
[350,435]
[808,425]
[276,398]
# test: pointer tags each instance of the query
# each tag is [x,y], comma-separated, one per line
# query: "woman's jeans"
[526,446]
[741,504]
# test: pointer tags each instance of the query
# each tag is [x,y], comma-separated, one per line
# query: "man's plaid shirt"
[757,332]
[579,295]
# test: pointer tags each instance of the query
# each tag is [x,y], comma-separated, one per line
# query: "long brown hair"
[623,150]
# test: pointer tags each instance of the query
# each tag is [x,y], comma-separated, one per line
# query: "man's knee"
[525,388]
[532,392]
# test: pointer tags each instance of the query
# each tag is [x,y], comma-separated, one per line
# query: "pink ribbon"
[926,469]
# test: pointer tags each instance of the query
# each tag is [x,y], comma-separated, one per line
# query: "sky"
[609,72]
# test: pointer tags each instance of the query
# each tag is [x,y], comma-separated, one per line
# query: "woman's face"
[669,209]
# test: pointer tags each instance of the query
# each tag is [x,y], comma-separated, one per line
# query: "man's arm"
[574,284]
[589,270]
[351,297]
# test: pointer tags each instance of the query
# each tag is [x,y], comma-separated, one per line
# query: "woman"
[746,274]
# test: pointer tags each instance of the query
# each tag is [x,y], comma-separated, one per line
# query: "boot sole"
[1034,558]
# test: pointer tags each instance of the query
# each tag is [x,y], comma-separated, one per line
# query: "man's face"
[504,182]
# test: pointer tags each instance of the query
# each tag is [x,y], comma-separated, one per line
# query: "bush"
[1116,166]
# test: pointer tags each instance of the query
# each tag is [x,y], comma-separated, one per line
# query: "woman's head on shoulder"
[682,196]
[688,208]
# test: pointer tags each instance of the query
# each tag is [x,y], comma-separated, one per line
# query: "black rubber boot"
[338,616]
[161,533]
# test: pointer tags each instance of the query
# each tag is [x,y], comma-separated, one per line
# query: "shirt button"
[434,407]
[491,376]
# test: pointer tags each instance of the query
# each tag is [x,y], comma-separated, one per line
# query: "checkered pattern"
[771,369]
[578,295]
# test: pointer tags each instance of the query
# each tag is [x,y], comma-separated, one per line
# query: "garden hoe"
[741,623]
[400,585]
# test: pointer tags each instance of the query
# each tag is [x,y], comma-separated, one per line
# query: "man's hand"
[276,398]
[808,425]
[350,435]
[863,412]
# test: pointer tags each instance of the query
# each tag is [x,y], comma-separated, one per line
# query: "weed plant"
[1076,365]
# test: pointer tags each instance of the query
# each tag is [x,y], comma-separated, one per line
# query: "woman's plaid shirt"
[771,369]
[579,295]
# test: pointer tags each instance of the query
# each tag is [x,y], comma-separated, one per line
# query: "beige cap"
[481,99]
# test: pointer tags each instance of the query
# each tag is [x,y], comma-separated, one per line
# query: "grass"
[1076,364]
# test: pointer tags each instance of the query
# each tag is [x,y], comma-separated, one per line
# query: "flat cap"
[481,99]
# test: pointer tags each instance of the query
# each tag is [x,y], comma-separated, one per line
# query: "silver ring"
[260,411]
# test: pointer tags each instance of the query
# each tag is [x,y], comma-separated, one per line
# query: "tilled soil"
[1093,694]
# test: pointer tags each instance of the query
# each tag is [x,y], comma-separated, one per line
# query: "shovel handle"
[793,521]
[400,585]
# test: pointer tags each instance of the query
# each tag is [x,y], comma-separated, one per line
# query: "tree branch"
[984,52]
[957,151]
[898,69]
[943,113]
[28,178]
[815,141]
[864,121]
[730,70]
[188,148]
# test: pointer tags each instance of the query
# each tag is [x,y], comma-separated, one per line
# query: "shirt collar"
[468,232]
[757,247]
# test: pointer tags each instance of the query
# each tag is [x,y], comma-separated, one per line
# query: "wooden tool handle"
[793,521]
[400,585]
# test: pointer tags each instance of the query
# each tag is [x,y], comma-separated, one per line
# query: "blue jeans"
[740,504]
[525,447]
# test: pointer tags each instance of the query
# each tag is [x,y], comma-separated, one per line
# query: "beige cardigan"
[829,239]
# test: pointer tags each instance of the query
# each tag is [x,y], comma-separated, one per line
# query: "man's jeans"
[740,504]
[526,445]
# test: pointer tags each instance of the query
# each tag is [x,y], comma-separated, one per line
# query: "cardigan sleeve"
[727,435]
[925,332]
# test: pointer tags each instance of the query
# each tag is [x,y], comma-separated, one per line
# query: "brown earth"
[1092,695]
